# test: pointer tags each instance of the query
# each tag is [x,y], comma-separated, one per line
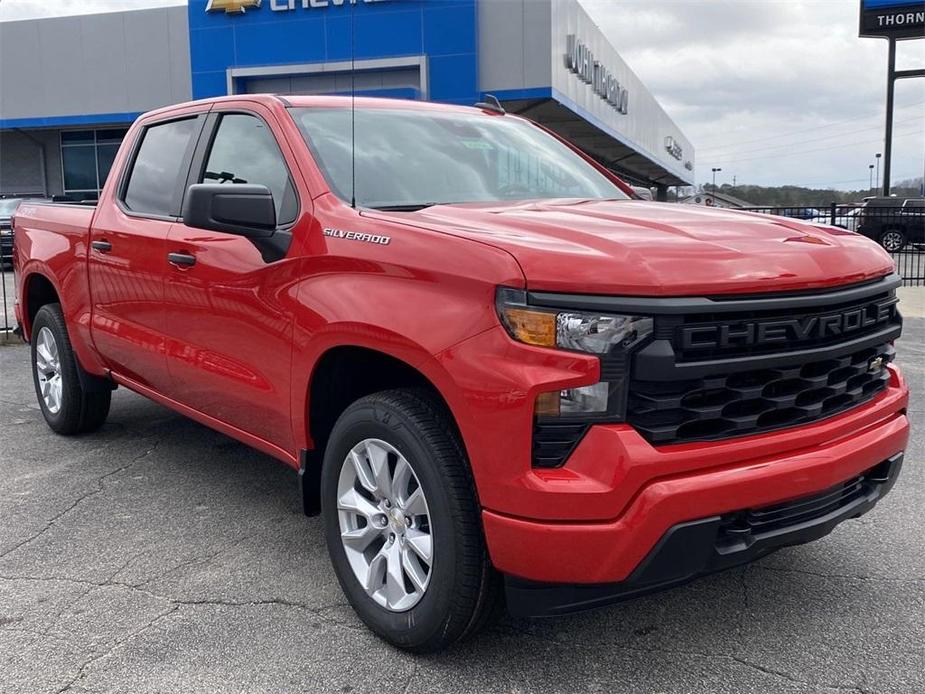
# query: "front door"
[228,319]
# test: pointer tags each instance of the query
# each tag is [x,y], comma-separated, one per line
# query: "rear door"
[128,250]
[228,312]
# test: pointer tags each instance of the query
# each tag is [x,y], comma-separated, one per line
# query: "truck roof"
[360,102]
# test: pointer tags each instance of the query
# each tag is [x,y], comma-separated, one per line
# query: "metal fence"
[899,228]
[7,319]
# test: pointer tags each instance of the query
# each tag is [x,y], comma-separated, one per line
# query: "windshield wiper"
[407,207]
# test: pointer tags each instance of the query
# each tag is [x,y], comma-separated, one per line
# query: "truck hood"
[644,248]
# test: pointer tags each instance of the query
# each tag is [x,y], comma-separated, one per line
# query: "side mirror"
[234,208]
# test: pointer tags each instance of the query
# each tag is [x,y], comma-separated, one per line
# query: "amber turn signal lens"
[532,327]
[547,404]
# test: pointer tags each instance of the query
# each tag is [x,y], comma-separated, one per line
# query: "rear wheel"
[402,522]
[893,240]
[67,407]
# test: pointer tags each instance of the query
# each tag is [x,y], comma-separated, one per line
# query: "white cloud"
[755,83]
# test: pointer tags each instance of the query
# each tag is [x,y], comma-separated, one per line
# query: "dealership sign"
[580,60]
[898,19]
[673,147]
[242,6]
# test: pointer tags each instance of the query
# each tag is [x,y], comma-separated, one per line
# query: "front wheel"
[67,407]
[402,522]
[893,240]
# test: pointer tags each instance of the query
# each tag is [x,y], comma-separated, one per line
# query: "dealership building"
[71,86]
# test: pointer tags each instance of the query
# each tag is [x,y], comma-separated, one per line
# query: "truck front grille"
[728,366]
[720,368]
[754,401]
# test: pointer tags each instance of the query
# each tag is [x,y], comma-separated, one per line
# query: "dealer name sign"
[898,19]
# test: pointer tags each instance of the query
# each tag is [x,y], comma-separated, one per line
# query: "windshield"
[8,206]
[407,159]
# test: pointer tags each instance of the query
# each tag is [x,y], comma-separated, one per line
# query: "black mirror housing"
[238,208]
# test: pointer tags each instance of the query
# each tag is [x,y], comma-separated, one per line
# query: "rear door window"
[155,184]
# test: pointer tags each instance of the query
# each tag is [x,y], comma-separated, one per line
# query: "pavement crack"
[746,601]
[100,485]
[198,559]
[82,671]
[845,577]
[414,672]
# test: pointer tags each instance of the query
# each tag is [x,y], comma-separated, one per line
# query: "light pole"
[878,155]
[713,189]
[871,186]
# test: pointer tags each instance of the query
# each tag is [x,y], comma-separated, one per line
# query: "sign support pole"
[888,135]
[894,20]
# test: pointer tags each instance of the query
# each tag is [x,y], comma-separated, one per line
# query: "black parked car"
[894,222]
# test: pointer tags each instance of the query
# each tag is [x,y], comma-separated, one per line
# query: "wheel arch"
[38,290]
[344,373]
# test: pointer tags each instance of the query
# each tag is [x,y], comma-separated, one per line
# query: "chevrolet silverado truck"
[500,377]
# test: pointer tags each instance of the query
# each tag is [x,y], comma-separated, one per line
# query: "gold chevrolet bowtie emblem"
[231,6]
[875,366]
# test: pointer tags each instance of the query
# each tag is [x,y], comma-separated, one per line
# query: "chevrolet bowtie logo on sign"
[231,6]
[241,6]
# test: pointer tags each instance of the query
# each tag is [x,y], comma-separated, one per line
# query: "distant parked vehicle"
[845,217]
[801,212]
[894,222]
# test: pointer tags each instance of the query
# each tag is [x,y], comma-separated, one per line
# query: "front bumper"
[618,496]
[696,548]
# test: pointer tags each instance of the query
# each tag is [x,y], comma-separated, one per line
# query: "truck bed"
[53,217]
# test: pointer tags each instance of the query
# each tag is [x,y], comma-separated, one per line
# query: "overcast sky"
[771,91]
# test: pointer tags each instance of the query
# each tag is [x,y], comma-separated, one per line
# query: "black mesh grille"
[759,400]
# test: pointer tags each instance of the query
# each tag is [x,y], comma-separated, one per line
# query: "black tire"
[80,411]
[464,592]
[893,240]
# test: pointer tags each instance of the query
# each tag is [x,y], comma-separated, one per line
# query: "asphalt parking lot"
[159,556]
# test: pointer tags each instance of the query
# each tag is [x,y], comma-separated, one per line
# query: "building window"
[86,157]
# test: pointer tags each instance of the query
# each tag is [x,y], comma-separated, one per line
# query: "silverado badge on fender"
[358,236]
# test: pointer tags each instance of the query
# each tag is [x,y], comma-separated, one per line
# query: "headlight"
[593,333]
[581,332]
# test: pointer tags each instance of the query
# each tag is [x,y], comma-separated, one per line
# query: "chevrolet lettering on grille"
[787,330]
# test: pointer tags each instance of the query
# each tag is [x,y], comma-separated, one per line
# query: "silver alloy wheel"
[48,369]
[385,524]
[892,240]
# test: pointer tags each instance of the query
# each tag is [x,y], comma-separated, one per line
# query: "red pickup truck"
[500,377]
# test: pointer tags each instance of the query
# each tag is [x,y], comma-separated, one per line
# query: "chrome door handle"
[102,246]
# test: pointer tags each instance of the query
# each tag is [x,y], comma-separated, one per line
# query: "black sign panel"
[898,19]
